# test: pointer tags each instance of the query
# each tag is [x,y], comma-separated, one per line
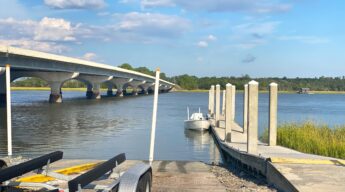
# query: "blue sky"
[262,38]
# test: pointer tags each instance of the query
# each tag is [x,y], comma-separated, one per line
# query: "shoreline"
[261,91]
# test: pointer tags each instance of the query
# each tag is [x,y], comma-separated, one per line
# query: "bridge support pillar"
[54,79]
[93,91]
[94,85]
[110,90]
[135,85]
[135,92]
[119,93]
[56,94]
[119,83]
[146,88]
[145,91]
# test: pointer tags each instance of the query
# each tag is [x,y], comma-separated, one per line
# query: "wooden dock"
[287,169]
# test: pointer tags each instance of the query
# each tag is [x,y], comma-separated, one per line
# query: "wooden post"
[211,101]
[223,102]
[154,117]
[9,111]
[272,129]
[233,102]
[252,135]
[217,103]
[245,108]
[228,112]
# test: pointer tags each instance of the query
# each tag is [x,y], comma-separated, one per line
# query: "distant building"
[303,91]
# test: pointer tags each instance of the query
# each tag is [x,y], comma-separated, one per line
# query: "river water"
[99,129]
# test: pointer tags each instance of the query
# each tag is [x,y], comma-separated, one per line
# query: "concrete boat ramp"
[286,169]
[167,175]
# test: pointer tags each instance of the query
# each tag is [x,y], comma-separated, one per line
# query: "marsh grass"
[311,138]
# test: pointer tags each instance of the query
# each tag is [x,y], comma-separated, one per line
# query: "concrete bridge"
[56,70]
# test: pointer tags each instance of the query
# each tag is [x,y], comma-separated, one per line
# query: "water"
[99,129]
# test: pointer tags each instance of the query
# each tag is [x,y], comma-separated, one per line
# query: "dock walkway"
[301,171]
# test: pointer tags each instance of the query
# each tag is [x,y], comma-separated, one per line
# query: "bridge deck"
[306,172]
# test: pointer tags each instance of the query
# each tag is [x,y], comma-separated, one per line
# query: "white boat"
[196,121]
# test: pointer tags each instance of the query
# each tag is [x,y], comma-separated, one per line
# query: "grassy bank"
[312,138]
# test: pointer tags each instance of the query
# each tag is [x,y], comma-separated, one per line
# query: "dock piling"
[245,108]
[228,112]
[273,102]
[252,132]
[217,103]
[211,101]
[233,100]
[223,102]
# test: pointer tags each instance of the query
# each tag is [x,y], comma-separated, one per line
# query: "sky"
[261,38]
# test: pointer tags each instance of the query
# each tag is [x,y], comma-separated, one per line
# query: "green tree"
[126,66]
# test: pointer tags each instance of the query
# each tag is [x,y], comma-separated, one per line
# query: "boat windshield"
[197,116]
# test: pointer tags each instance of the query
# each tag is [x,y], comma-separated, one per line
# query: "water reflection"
[202,140]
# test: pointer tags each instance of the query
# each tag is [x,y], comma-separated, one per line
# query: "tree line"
[285,84]
[191,82]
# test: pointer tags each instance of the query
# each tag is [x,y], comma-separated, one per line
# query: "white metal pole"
[154,117]
[187,113]
[8,107]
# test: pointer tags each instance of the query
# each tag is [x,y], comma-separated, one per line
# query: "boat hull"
[199,125]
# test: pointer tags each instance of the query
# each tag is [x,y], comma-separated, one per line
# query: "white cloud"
[211,38]
[206,40]
[47,29]
[58,33]
[157,3]
[51,29]
[253,6]
[202,44]
[89,56]
[151,25]
[305,39]
[47,35]
[51,47]
[75,4]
